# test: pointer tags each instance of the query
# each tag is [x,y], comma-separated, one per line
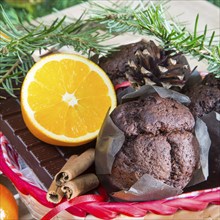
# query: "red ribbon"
[187,204]
[122,85]
[23,186]
[72,206]
[97,205]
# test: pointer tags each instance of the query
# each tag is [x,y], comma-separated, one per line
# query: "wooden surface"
[183,11]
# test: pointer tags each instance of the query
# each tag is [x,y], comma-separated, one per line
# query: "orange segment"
[43,98]
[65,98]
[86,88]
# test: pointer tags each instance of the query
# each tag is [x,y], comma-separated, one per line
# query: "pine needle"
[151,20]
[86,35]
[20,43]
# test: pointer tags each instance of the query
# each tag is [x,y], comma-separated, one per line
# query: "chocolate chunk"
[44,159]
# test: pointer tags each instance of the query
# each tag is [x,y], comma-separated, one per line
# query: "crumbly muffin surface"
[159,142]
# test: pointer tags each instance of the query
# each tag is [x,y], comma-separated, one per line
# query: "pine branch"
[18,42]
[150,19]
[10,71]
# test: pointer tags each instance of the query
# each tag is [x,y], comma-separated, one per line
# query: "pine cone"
[146,63]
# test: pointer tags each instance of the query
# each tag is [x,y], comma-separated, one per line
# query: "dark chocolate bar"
[44,159]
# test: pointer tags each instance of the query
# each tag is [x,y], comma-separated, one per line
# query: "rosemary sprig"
[150,19]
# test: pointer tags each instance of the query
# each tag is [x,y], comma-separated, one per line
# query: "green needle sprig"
[87,35]
[150,20]
[18,42]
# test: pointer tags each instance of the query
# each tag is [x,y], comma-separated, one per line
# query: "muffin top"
[159,141]
[152,115]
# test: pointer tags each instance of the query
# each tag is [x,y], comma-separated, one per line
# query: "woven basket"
[197,205]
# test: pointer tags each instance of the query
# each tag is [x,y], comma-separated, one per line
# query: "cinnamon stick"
[75,166]
[80,185]
[54,194]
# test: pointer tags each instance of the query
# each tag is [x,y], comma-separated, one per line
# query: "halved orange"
[64,99]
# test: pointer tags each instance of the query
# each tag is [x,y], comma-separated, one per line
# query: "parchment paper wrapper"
[212,121]
[111,139]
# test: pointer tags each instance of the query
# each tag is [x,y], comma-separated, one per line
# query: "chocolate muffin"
[205,97]
[159,141]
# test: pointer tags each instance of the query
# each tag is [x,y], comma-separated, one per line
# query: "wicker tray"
[204,204]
